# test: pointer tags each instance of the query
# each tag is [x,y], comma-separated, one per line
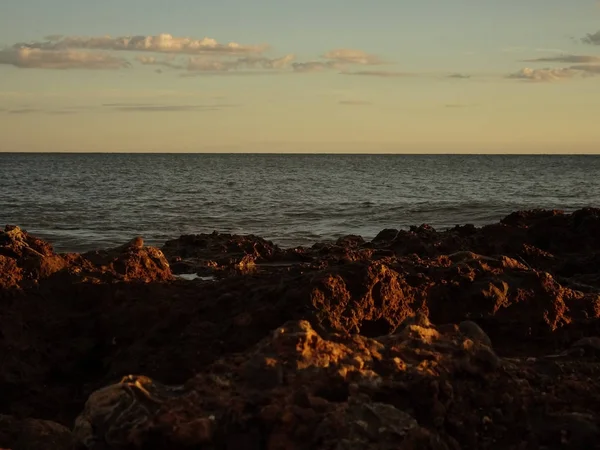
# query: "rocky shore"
[471,338]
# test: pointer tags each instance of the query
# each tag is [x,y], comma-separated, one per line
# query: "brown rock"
[32,434]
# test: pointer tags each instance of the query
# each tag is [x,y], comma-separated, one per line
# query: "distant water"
[87,201]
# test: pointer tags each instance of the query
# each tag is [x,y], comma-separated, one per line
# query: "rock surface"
[32,434]
[470,338]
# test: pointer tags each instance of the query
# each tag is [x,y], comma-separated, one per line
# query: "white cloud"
[162,43]
[563,73]
[350,56]
[35,58]
[544,74]
[201,64]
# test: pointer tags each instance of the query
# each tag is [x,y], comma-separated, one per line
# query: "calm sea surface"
[88,201]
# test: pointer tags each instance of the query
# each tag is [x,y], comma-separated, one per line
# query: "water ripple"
[84,201]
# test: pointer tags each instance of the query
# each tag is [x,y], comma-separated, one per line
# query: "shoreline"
[55,238]
[473,337]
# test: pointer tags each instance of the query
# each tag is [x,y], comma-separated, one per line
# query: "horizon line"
[295,153]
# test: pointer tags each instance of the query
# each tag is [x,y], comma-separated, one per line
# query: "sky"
[388,76]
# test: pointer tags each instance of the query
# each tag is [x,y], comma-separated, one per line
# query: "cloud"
[589,69]
[460,76]
[338,59]
[354,102]
[379,73]
[230,73]
[315,66]
[148,107]
[162,43]
[34,58]
[351,56]
[527,49]
[544,74]
[201,64]
[563,73]
[23,111]
[575,59]
[153,61]
[592,39]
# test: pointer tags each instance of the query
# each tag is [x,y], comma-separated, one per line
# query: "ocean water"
[88,201]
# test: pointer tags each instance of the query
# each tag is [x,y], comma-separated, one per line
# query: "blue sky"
[528,82]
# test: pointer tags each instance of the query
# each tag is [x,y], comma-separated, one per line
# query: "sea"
[82,201]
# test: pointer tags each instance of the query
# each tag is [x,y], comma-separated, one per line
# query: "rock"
[25,259]
[385,236]
[217,251]
[32,434]
[113,414]
[11,275]
[285,343]
[358,426]
[474,332]
[16,243]
[589,345]
[129,262]
[292,375]
[573,430]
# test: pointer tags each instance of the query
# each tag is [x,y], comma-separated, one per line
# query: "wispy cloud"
[33,58]
[590,69]
[146,107]
[63,112]
[541,75]
[379,73]
[153,61]
[460,76]
[200,64]
[23,111]
[338,59]
[211,64]
[206,54]
[528,49]
[574,59]
[230,73]
[315,66]
[162,43]
[352,56]
[563,73]
[592,39]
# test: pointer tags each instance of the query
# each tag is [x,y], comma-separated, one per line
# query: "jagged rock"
[375,323]
[306,391]
[112,415]
[219,251]
[25,259]
[129,262]
[474,331]
[589,345]
[32,434]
